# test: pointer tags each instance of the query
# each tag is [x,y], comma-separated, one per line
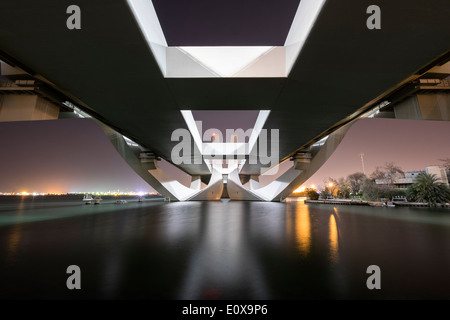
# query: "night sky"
[74,155]
[226,23]
[411,144]
[67,155]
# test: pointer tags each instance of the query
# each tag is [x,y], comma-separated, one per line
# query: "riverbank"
[340,201]
[374,203]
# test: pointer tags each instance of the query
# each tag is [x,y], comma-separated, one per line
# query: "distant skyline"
[74,155]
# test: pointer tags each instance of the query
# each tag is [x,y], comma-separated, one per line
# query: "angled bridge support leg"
[144,163]
[304,166]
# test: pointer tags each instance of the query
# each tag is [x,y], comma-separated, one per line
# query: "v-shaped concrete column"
[303,168]
[145,165]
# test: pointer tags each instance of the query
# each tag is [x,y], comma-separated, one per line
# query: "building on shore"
[441,173]
[404,180]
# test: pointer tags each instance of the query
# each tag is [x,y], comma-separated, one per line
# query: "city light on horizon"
[300,189]
[100,193]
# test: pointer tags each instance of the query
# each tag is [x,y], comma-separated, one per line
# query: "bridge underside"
[416,105]
[107,70]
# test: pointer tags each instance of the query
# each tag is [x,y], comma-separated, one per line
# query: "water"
[220,250]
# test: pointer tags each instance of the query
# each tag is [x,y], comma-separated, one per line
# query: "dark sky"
[74,154]
[225,23]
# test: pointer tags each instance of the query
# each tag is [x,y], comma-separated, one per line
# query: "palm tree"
[428,189]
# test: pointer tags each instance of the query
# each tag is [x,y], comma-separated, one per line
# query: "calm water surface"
[220,250]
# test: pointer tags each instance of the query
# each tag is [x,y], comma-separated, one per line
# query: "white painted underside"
[226,61]
[213,191]
[237,191]
[218,150]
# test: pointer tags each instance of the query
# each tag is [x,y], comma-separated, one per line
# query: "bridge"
[156,74]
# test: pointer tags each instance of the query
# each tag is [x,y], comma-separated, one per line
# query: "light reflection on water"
[15,234]
[334,239]
[222,254]
[298,226]
[222,250]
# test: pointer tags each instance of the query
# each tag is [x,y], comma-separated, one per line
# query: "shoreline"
[375,203]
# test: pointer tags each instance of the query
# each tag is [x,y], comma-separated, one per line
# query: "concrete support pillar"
[196,182]
[149,159]
[435,106]
[144,163]
[22,107]
[302,160]
[254,182]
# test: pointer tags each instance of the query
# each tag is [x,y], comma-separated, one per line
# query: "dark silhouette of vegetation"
[428,189]
[325,194]
[343,188]
[359,185]
[356,181]
[312,194]
[374,192]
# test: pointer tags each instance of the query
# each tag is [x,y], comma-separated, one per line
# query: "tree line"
[426,187]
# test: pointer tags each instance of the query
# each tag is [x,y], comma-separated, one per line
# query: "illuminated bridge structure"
[146,71]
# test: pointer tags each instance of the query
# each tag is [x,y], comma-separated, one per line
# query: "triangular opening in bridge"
[225,61]
[230,134]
